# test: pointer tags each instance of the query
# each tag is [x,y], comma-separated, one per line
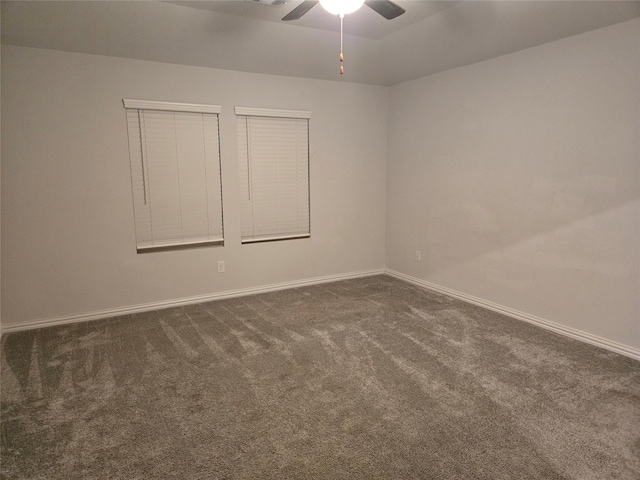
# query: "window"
[273,160]
[175,171]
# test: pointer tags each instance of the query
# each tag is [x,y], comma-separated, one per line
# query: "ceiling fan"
[386,8]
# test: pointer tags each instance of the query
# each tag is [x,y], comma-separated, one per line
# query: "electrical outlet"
[221,266]
[418,255]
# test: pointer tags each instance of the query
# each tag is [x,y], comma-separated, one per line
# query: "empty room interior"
[258,239]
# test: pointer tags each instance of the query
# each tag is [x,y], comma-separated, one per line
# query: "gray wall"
[0,182]
[68,243]
[518,180]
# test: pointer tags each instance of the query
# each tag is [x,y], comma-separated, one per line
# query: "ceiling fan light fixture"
[341,7]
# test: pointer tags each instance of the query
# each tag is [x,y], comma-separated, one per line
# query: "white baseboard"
[541,322]
[114,312]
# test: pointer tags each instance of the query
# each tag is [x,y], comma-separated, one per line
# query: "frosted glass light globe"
[341,7]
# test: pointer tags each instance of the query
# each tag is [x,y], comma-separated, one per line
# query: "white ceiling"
[365,23]
[432,36]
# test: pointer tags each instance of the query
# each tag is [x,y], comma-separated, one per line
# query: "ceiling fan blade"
[386,8]
[300,10]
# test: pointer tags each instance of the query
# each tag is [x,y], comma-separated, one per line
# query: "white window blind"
[273,161]
[175,170]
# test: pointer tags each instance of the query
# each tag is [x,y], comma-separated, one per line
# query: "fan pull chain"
[341,44]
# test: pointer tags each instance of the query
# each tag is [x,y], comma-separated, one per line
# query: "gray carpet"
[366,378]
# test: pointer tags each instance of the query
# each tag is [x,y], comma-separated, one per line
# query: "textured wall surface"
[518,180]
[67,215]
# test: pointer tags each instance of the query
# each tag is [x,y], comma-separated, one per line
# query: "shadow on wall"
[567,225]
